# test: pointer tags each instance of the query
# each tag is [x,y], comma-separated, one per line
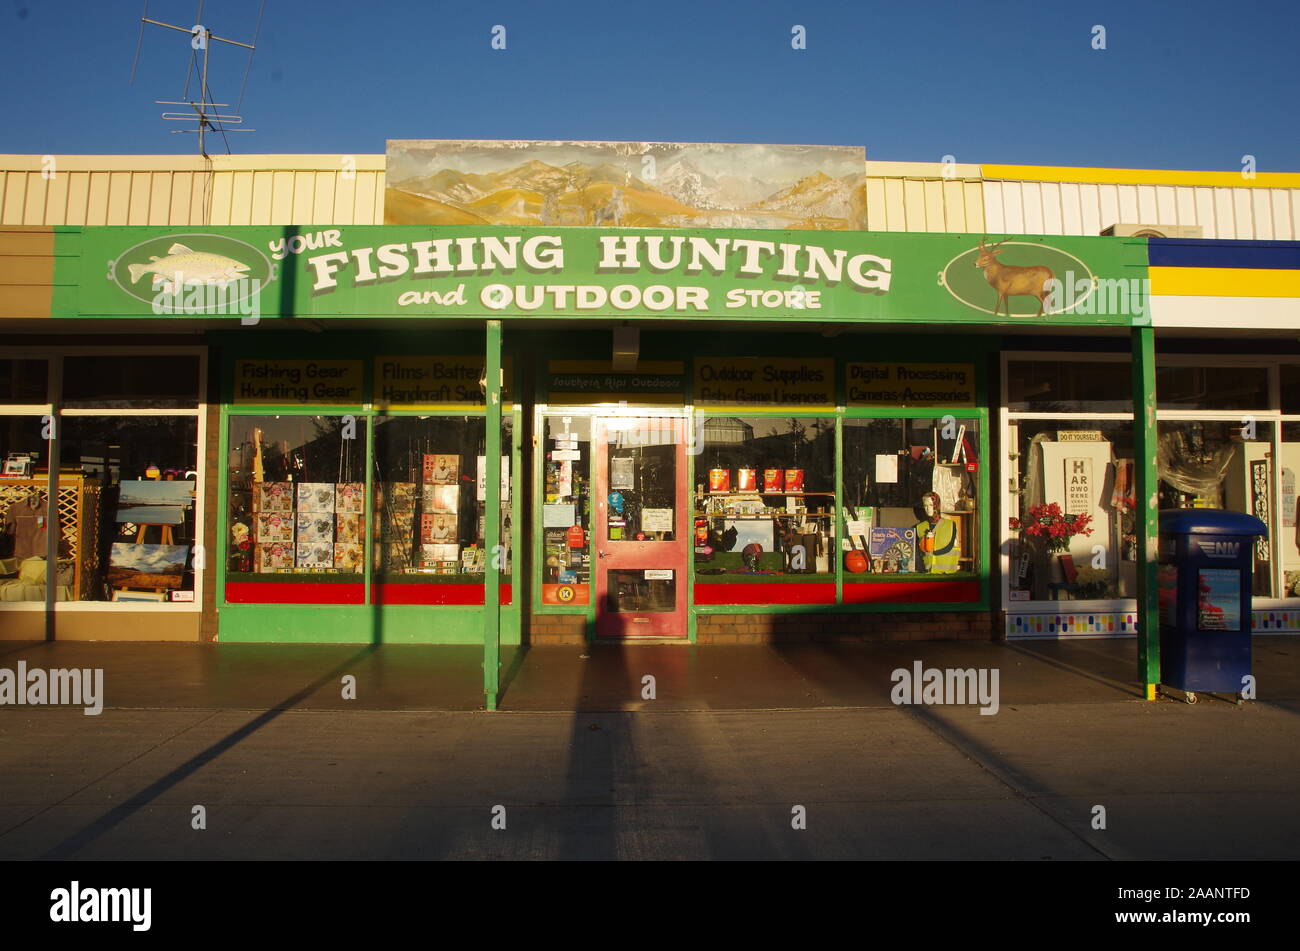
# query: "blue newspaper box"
[1206,558]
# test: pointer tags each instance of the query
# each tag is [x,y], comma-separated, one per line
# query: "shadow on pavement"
[78,840]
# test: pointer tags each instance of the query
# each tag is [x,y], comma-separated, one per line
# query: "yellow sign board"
[764,381]
[911,384]
[334,382]
[419,382]
[580,382]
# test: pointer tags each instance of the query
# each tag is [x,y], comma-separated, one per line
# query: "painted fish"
[183,266]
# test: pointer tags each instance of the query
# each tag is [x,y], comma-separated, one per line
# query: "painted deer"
[1012,281]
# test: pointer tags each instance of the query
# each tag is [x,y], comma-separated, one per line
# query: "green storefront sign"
[408,271]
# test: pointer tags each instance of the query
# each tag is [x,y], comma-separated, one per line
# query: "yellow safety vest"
[938,546]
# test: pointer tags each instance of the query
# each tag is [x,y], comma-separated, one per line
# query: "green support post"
[492,521]
[1146,493]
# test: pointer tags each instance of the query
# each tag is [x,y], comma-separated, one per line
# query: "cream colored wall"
[1031,207]
[919,196]
[187,190]
[179,190]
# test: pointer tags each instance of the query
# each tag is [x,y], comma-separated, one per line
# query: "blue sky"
[1187,84]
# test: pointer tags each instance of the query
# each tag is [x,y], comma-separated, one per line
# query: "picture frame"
[123,594]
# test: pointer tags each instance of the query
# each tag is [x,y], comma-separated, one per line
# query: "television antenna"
[201,39]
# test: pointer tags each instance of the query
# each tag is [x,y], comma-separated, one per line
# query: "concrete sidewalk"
[606,677]
[585,769]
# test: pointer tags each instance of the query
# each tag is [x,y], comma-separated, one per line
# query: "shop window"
[765,497]
[22,444]
[1290,373]
[23,510]
[1221,464]
[1073,535]
[127,506]
[430,499]
[1209,387]
[134,382]
[910,496]
[296,497]
[24,381]
[1289,536]
[566,510]
[641,460]
[1058,386]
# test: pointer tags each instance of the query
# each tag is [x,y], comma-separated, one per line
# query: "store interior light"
[620,424]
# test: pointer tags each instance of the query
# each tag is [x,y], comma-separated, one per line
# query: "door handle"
[600,554]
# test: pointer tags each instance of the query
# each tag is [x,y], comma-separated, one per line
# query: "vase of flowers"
[1049,530]
[1049,525]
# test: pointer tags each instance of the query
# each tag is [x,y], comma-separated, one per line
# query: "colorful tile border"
[1088,624]
[1286,621]
[1124,624]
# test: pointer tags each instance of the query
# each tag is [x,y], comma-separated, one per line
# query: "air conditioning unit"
[1154,231]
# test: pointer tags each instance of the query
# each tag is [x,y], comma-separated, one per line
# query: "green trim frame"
[539,347]
[686,346]
[1146,487]
[340,623]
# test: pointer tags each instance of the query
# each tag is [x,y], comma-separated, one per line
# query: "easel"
[160,585]
[167,538]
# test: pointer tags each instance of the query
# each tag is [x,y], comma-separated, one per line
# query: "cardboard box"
[437,528]
[274,497]
[271,528]
[441,469]
[273,557]
[440,498]
[315,556]
[348,558]
[347,529]
[315,528]
[316,497]
[350,497]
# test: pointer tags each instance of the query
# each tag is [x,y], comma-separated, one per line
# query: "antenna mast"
[200,37]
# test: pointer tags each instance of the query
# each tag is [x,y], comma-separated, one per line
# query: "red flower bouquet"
[1054,527]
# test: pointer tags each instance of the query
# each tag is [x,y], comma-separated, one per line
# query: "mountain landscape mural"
[625,184]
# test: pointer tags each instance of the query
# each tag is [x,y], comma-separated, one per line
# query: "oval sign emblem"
[212,269]
[1020,270]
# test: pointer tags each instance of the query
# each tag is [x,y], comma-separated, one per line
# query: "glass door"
[641,527]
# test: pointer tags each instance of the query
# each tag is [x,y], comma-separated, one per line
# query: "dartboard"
[900,552]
